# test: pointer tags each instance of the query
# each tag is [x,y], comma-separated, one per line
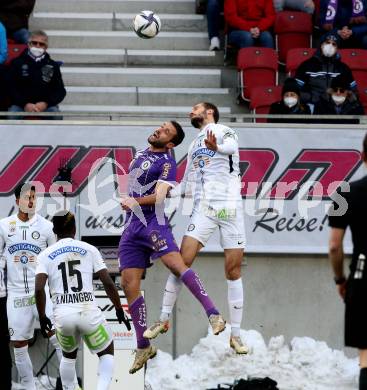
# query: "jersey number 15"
[72,272]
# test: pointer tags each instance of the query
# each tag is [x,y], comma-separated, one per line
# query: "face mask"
[338,99]
[328,50]
[290,101]
[37,51]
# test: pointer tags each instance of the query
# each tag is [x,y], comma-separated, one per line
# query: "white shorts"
[230,223]
[89,324]
[22,315]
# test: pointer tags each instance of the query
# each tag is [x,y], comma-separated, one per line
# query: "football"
[147,24]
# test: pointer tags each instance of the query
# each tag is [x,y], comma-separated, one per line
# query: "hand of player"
[46,326]
[211,141]
[128,203]
[121,317]
[342,288]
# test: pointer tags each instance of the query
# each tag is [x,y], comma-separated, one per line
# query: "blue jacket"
[343,13]
[3,44]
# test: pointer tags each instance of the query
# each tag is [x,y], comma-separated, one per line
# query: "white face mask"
[338,99]
[328,50]
[37,51]
[290,101]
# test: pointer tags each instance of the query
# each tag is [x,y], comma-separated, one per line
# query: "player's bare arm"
[40,296]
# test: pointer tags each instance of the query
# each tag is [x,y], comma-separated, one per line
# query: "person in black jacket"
[290,104]
[352,212]
[14,14]
[315,74]
[340,100]
[36,83]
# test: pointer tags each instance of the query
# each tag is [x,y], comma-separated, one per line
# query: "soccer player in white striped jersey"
[68,266]
[22,238]
[213,171]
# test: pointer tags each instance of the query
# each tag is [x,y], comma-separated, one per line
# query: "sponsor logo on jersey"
[158,244]
[80,297]
[24,246]
[66,249]
[12,227]
[24,302]
[204,151]
[166,170]
[36,235]
[191,227]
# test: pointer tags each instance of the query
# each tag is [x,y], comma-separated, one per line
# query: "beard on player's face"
[197,120]
[155,141]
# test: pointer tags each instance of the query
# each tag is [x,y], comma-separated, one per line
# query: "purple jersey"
[145,170]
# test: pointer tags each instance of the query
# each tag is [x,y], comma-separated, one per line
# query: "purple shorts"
[140,243]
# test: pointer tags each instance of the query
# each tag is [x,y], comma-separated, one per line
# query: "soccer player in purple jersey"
[152,173]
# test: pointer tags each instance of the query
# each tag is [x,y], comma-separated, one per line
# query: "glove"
[121,317]
[46,326]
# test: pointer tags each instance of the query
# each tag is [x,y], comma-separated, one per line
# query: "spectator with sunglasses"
[36,83]
[340,100]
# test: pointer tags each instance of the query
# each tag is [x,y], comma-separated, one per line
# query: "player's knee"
[233,272]
[129,284]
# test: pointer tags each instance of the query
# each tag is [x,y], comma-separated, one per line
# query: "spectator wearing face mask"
[290,104]
[314,75]
[36,84]
[340,100]
[347,19]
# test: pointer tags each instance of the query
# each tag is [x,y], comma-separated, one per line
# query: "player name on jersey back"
[81,297]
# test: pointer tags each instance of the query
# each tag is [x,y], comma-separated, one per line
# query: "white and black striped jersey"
[20,244]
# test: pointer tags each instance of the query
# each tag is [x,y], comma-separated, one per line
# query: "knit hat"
[339,82]
[329,37]
[291,85]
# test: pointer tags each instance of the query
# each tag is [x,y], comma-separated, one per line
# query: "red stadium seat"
[256,66]
[14,51]
[356,59]
[292,29]
[295,57]
[262,98]
[363,97]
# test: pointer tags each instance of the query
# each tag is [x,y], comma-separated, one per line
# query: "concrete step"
[141,77]
[133,6]
[127,40]
[130,57]
[145,96]
[112,21]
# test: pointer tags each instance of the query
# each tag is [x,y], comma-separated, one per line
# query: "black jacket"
[14,14]
[32,82]
[281,109]
[315,74]
[351,106]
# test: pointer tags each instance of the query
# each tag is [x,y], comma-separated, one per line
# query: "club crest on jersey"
[23,246]
[12,226]
[200,162]
[35,235]
[145,165]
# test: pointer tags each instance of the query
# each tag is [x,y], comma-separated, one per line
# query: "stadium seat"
[295,57]
[292,29]
[363,97]
[14,51]
[262,98]
[356,59]
[257,66]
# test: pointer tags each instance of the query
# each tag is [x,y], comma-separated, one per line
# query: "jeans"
[21,36]
[15,108]
[213,10]
[242,39]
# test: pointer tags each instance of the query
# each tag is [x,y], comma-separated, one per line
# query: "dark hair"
[211,106]
[365,144]
[64,223]
[23,187]
[179,137]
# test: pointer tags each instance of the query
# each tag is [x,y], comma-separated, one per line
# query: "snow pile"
[305,365]
[42,383]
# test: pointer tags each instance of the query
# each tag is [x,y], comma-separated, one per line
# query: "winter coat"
[315,74]
[35,81]
[280,108]
[247,14]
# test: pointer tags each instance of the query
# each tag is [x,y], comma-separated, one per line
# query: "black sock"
[363,379]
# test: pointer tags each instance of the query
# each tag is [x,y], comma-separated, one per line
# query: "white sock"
[25,368]
[171,291]
[235,303]
[67,373]
[105,372]
[56,345]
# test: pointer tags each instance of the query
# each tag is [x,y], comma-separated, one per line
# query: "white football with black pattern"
[146,24]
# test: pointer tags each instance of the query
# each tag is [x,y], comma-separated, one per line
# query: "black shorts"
[355,314]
